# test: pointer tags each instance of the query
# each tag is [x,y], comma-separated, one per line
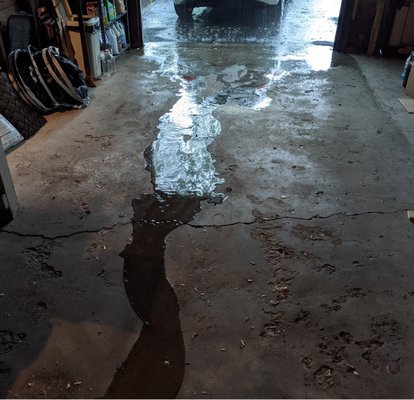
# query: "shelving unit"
[123,17]
[122,52]
[117,18]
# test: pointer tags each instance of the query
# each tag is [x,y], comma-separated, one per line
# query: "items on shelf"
[113,40]
[120,6]
[92,8]
[113,31]
[93,27]
[103,28]
[110,9]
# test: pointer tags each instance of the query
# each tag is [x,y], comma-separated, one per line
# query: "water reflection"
[299,32]
[249,24]
[319,58]
[180,160]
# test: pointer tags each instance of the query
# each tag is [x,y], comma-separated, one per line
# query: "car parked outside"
[184,8]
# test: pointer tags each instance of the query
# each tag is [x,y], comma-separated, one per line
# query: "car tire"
[183,11]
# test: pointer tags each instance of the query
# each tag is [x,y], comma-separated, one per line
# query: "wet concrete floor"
[230,223]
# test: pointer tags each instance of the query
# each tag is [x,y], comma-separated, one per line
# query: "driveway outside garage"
[265,252]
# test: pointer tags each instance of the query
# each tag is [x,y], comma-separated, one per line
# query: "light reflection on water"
[180,160]
[319,58]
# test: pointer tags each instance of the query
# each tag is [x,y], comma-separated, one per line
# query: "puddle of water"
[316,57]
[155,366]
[183,174]
[319,58]
[179,160]
[249,88]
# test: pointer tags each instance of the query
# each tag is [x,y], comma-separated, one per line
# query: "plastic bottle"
[102,60]
[123,36]
[111,10]
[108,42]
[108,63]
[113,40]
[118,36]
[104,14]
[406,69]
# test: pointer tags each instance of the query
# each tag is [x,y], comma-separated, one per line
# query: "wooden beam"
[344,25]
[376,28]
[384,40]
[82,32]
[135,24]
[355,10]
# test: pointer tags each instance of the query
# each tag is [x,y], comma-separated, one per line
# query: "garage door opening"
[295,30]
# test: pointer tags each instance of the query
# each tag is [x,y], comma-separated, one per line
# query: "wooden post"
[8,199]
[384,36]
[344,25]
[376,28]
[135,24]
[82,32]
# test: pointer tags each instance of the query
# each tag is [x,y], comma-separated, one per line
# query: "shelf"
[117,18]
[122,52]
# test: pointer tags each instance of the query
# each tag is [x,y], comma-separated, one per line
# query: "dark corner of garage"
[206,199]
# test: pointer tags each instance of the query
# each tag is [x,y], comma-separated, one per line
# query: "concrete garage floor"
[287,273]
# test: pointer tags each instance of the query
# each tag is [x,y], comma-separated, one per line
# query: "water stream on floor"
[183,175]
[155,366]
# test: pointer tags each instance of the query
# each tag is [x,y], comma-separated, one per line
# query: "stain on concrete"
[36,259]
[315,233]
[9,339]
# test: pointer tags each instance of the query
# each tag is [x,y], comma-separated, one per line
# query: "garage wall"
[402,34]
[375,27]
[7,7]
[355,25]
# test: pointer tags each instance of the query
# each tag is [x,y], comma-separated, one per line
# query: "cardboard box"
[409,89]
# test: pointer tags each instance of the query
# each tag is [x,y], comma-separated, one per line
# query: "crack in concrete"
[178,223]
[277,218]
[66,236]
